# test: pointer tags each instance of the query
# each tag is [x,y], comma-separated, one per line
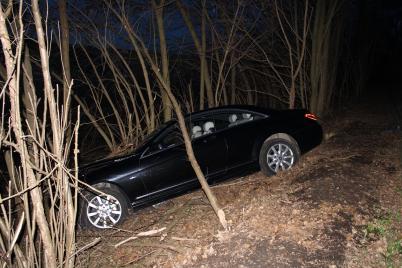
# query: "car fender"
[271,134]
[107,184]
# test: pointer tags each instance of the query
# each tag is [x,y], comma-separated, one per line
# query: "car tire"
[98,211]
[278,154]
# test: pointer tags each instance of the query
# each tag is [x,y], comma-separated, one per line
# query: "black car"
[227,141]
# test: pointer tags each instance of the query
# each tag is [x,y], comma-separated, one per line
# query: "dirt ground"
[341,206]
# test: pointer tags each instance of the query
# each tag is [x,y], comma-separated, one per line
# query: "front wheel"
[102,211]
[278,155]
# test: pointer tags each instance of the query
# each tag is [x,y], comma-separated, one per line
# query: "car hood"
[108,167]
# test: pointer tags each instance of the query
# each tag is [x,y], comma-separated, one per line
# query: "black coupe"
[227,141]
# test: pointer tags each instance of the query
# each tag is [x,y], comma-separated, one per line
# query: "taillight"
[311,116]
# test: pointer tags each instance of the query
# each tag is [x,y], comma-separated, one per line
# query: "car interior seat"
[232,120]
[247,117]
[196,131]
[208,127]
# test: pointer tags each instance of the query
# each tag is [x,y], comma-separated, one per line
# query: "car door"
[165,163]
[241,134]
[166,167]
[209,146]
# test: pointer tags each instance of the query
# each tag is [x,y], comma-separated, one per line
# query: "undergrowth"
[388,227]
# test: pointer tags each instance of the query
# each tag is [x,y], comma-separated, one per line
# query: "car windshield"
[153,134]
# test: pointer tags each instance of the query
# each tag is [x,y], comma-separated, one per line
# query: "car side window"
[216,122]
[241,118]
[169,138]
[231,119]
[201,127]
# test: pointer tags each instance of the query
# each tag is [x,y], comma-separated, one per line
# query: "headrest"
[232,118]
[208,126]
[196,129]
[246,116]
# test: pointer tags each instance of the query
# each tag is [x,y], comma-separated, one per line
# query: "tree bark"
[56,127]
[49,250]
[187,142]
[202,59]
[65,54]
[201,53]
[324,59]
[30,101]
[167,106]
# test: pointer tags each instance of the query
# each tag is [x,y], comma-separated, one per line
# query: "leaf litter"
[315,215]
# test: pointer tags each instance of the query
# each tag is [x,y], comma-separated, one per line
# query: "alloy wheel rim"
[104,211]
[280,157]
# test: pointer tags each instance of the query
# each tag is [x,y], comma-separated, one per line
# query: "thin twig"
[139,258]
[142,234]
[183,239]
[87,246]
[162,246]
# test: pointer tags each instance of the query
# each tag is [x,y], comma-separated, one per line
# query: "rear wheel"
[278,155]
[102,211]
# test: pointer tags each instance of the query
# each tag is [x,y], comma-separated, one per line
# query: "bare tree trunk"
[324,59]
[295,63]
[144,69]
[203,61]
[57,135]
[187,141]
[250,100]
[292,95]
[233,85]
[108,140]
[113,105]
[30,101]
[65,55]
[201,53]
[190,154]
[167,107]
[10,164]
[39,194]
[46,76]
[49,250]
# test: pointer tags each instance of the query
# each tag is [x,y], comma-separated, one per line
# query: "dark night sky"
[384,22]
[385,26]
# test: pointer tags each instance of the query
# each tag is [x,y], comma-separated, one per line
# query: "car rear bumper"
[310,136]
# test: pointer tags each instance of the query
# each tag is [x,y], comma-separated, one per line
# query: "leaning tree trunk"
[190,152]
[187,141]
[142,53]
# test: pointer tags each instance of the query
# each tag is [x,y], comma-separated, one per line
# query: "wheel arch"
[81,216]
[114,186]
[276,135]
[285,136]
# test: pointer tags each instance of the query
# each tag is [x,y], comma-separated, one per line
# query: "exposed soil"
[340,206]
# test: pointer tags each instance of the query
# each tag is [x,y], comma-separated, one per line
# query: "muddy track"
[313,216]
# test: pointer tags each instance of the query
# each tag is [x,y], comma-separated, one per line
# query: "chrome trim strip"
[164,189]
